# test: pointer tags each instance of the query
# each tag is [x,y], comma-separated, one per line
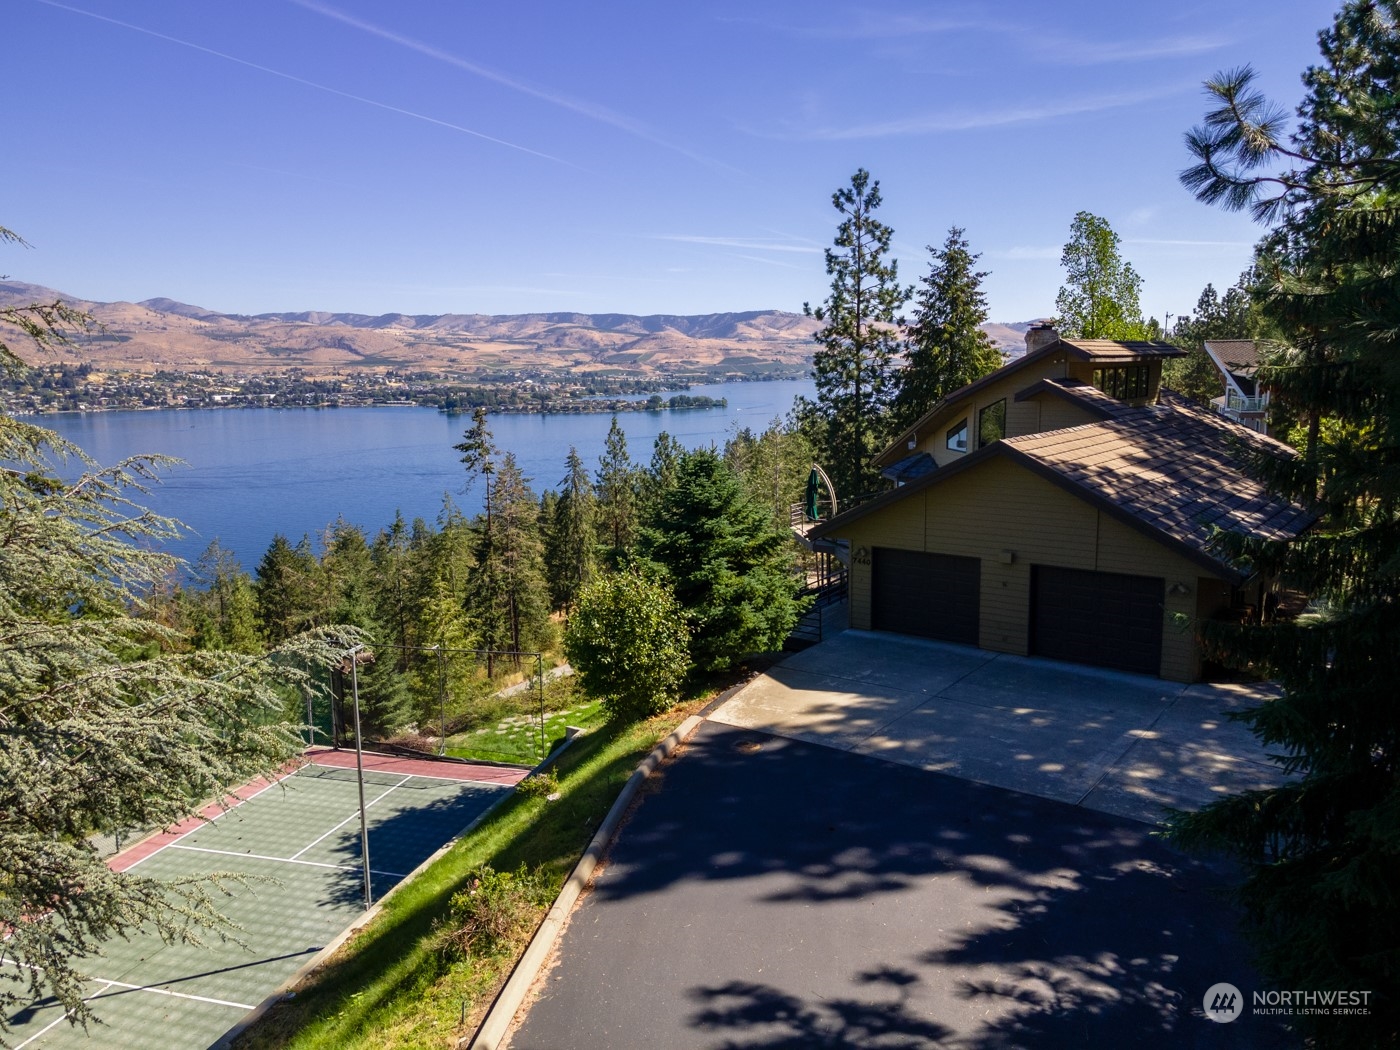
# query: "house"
[1064,506]
[1244,400]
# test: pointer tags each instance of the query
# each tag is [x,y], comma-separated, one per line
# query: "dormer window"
[957,437]
[1124,382]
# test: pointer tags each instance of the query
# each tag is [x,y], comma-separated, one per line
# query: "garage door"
[931,595]
[1101,618]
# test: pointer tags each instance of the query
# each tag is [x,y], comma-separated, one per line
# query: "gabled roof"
[1083,395]
[1106,350]
[914,465]
[1237,357]
[1173,471]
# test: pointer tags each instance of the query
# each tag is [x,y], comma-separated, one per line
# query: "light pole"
[360,770]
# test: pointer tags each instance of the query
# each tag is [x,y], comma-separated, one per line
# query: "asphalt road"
[778,894]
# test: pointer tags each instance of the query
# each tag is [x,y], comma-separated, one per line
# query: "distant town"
[85,388]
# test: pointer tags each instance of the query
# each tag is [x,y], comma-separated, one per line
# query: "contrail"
[306,83]
[586,109]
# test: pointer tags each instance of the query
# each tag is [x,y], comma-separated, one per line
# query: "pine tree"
[288,589]
[859,339]
[660,474]
[1099,299]
[1323,851]
[221,612]
[728,566]
[507,594]
[570,549]
[617,497]
[1216,317]
[947,348]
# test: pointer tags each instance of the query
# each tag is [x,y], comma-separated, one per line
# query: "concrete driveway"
[1119,743]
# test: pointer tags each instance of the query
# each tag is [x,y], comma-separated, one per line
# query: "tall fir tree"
[859,338]
[570,548]
[1100,296]
[617,497]
[946,347]
[1323,851]
[221,611]
[1230,316]
[728,566]
[288,589]
[508,595]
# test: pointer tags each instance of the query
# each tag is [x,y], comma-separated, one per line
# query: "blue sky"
[436,156]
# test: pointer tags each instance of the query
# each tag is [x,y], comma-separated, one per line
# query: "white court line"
[348,819]
[131,987]
[163,991]
[287,860]
[209,820]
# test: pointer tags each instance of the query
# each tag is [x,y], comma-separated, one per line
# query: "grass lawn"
[517,738]
[393,985]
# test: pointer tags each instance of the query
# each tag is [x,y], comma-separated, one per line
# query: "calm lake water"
[255,472]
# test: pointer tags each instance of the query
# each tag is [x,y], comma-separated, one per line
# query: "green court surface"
[298,842]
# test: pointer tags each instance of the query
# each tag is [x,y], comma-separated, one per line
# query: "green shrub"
[496,911]
[628,644]
[540,785]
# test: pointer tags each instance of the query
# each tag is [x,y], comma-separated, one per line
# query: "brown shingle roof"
[1174,471]
[1238,355]
[1110,350]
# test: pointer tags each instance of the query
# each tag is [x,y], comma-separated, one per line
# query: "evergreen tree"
[727,565]
[1323,851]
[1099,299]
[617,497]
[859,339]
[660,474]
[507,594]
[222,612]
[287,588]
[346,575]
[109,721]
[1216,317]
[772,467]
[946,348]
[570,557]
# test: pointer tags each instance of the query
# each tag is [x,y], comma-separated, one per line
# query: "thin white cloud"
[972,120]
[746,243]
[590,110]
[1079,52]
[303,81]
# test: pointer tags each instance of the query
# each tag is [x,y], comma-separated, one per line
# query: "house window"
[991,423]
[957,438]
[1125,383]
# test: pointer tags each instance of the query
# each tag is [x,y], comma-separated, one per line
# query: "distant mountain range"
[162,333]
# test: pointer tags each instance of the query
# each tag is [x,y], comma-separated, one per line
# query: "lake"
[252,473]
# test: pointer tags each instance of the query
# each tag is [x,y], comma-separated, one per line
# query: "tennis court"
[299,841]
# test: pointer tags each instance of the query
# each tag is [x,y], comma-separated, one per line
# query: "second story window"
[1126,382]
[991,423]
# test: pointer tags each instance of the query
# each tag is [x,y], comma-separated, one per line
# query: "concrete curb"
[228,1038]
[493,1029]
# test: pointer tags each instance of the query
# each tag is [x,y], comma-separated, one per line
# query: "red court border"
[464,772]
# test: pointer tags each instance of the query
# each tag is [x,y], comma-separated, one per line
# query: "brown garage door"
[931,595]
[1102,618]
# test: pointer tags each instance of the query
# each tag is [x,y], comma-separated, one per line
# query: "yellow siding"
[1001,507]
[1056,413]
[932,438]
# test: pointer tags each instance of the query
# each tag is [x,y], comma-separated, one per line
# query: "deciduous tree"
[627,643]
[1099,299]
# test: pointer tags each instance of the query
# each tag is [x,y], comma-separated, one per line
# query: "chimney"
[1040,335]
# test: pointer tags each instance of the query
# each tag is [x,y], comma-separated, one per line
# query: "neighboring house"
[1244,400]
[1063,506]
